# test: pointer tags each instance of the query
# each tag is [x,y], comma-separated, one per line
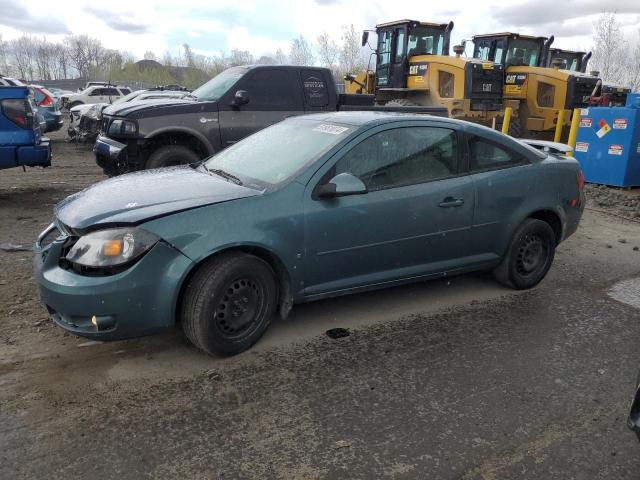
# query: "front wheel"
[171,155]
[229,303]
[529,256]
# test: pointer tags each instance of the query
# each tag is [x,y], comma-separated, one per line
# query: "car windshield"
[276,154]
[218,85]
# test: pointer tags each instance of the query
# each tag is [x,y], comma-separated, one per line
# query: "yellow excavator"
[413,67]
[536,92]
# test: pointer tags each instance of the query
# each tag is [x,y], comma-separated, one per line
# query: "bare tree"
[301,53]
[23,55]
[351,58]
[240,57]
[189,57]
[280,57]
[633,75]
[328,52]
[610,48]
[4,52]
[149,55]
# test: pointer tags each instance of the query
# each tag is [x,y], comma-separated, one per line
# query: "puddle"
[627,291]
[336,333]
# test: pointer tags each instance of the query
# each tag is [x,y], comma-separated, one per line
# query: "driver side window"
[402,156]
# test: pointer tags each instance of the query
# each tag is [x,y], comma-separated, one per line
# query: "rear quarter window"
[487,155]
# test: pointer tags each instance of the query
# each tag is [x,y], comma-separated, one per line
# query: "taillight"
[18,111]
[580,180]
[46,101]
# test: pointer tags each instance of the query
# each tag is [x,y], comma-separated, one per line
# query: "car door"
[273,93]
[96,95]
[413,221]
[503,179]
[110,95]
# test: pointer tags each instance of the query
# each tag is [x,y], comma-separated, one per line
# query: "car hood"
[154,107]
[140,196]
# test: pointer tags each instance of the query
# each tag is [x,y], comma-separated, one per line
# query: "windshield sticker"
[332,129]
[582,147]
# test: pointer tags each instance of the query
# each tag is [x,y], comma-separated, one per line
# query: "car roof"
[372,117]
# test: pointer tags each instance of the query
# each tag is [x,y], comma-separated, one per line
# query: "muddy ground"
[448,379]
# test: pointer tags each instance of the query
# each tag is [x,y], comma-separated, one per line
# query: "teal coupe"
[312,207]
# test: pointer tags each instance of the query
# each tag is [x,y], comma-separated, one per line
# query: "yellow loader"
[413,68]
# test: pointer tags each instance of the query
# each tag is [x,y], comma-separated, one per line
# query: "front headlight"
[122,127]
[108,248]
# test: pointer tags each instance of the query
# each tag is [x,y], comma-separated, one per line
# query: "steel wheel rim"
[532,255]
[240,307]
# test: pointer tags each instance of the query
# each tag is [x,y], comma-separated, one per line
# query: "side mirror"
[240,98]
[365,38]
[342,185]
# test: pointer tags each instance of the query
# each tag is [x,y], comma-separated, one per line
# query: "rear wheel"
[171,155]
[229,303]
[529,255]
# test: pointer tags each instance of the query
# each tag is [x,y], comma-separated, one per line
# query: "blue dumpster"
[608,144]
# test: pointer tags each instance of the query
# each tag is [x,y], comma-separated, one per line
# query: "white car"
[11,82]
[84,119]
[94,94]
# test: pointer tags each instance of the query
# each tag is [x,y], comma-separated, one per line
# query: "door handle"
[451,202]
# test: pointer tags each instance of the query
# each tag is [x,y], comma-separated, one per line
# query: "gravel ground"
[625,202]
[456,379]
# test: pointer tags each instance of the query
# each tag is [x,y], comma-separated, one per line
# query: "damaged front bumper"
[138,301]
[111,155]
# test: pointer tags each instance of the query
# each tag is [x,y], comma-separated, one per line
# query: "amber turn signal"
[112,248]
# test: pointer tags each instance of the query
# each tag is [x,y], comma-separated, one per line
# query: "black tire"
[229,303]
[171,155]
[515,127]
[529,256]
[402,102]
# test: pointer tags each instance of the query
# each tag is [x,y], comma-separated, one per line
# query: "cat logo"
[486,87]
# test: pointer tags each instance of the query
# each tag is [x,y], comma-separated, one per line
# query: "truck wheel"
[229,303]
[171,155]
[402,102]
[529,255]
[515,127]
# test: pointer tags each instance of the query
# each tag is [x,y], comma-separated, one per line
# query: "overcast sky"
[212,26]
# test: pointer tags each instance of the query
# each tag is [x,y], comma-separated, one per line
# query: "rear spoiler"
[548,147]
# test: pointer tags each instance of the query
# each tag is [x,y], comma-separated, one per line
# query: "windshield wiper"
[223,174]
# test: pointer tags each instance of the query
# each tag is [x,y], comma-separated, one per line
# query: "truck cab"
[234,104]
[21,140]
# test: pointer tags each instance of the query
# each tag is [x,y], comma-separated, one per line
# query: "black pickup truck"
[231,106]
